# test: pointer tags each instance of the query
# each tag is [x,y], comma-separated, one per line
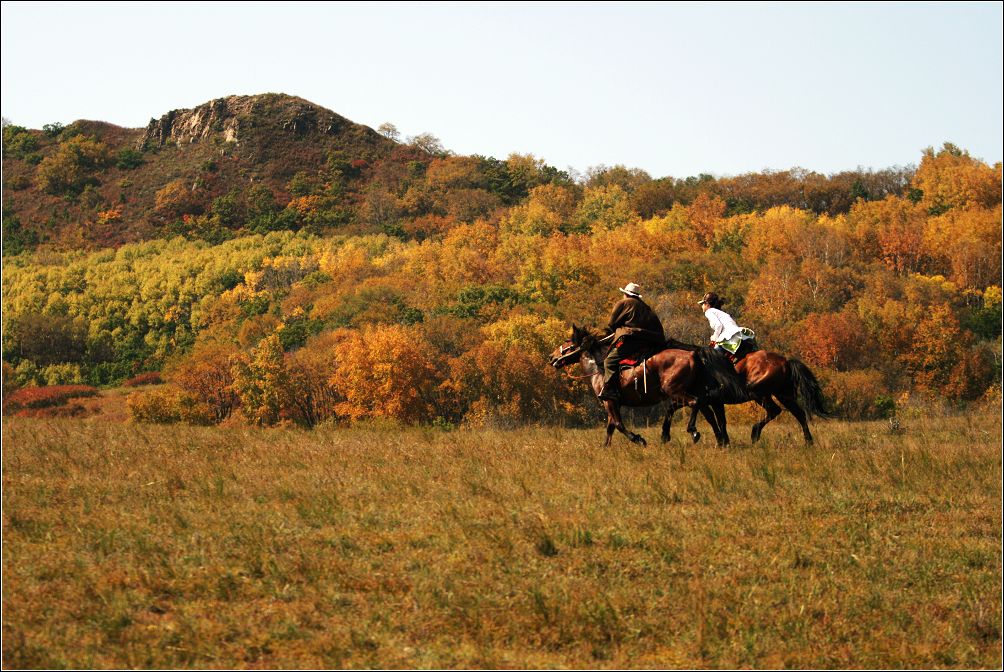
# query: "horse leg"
[723,433]
[614,422]
[668,421]
[773,410]
[792,405]
[692,425]
[711,415]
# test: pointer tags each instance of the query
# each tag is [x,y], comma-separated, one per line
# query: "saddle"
[635,360]
[745,347]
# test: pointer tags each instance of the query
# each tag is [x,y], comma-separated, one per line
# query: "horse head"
[570,351]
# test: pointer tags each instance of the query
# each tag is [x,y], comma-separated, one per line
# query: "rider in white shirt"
[726,334]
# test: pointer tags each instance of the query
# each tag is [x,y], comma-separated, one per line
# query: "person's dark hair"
[713,300]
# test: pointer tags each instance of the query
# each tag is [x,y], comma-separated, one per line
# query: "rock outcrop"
[230,119]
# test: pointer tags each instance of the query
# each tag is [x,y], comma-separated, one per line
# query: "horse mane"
[680,345]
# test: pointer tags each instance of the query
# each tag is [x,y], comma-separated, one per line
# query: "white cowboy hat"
[631,290]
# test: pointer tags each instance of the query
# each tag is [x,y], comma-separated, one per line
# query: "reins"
[588,375]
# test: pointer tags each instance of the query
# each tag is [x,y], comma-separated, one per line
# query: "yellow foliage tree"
[71,167]
[549,209]
[969,243]
[604,207]
[950,178]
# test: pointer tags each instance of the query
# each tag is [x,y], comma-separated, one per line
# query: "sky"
[675,89]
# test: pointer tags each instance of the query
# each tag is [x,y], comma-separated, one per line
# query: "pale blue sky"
[675,89]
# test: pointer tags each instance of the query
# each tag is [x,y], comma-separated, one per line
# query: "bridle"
[565,351]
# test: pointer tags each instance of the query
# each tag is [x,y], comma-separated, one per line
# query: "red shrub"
[66,411]
[148,378]
[45,397]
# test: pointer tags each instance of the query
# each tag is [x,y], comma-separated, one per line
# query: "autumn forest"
[265,261]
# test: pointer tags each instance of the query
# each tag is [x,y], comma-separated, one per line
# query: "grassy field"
[147,546]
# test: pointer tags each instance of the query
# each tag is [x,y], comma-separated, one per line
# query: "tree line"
[438,297]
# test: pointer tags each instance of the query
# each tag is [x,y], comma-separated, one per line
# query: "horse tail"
[719,372]
[807,390]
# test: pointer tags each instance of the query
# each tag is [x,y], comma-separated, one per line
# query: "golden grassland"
[149,546]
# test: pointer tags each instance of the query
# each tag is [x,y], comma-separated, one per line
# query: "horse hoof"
[696,436]
[639,440]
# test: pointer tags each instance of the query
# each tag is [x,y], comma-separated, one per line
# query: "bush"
[71,168]
[148,378]
[62,374]
[10,381]
[858,395]
[168,406]
[128,159]
[52,130]
[45,397]
[18,142]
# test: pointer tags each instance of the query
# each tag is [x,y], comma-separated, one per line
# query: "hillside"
[254,164]
[60,181]
[268,256]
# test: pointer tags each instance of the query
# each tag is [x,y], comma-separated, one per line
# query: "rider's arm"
[716,325]
[617,317]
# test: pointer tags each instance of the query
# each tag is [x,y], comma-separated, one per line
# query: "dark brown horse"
[767,376]
[684,377]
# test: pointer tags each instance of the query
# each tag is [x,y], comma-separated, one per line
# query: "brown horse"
[684,377]
[767,376]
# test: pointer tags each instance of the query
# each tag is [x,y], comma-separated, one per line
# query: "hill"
[254,164]
[95,184]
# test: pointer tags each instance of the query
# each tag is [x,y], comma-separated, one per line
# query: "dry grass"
[139,546]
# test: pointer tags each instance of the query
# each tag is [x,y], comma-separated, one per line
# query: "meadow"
[132,545]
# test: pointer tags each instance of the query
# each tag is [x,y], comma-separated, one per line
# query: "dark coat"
[632,318]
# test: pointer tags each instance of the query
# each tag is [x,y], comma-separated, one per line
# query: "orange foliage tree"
[505,380]
[897,228]
[834,340]
[388,371]
[705,215]
[938,346]
[207,375]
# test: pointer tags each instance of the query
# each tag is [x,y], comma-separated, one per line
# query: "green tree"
[261,382]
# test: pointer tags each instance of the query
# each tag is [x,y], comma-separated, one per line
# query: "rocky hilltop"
[233,117]
[94,184]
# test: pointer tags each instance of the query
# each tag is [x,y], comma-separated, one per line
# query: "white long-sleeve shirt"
[722,325]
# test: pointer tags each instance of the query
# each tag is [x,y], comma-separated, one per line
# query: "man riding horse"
[635,329]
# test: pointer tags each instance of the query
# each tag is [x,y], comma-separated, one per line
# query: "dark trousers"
[623,348]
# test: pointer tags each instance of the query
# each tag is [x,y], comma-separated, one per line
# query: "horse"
[766,376]
[684,377]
